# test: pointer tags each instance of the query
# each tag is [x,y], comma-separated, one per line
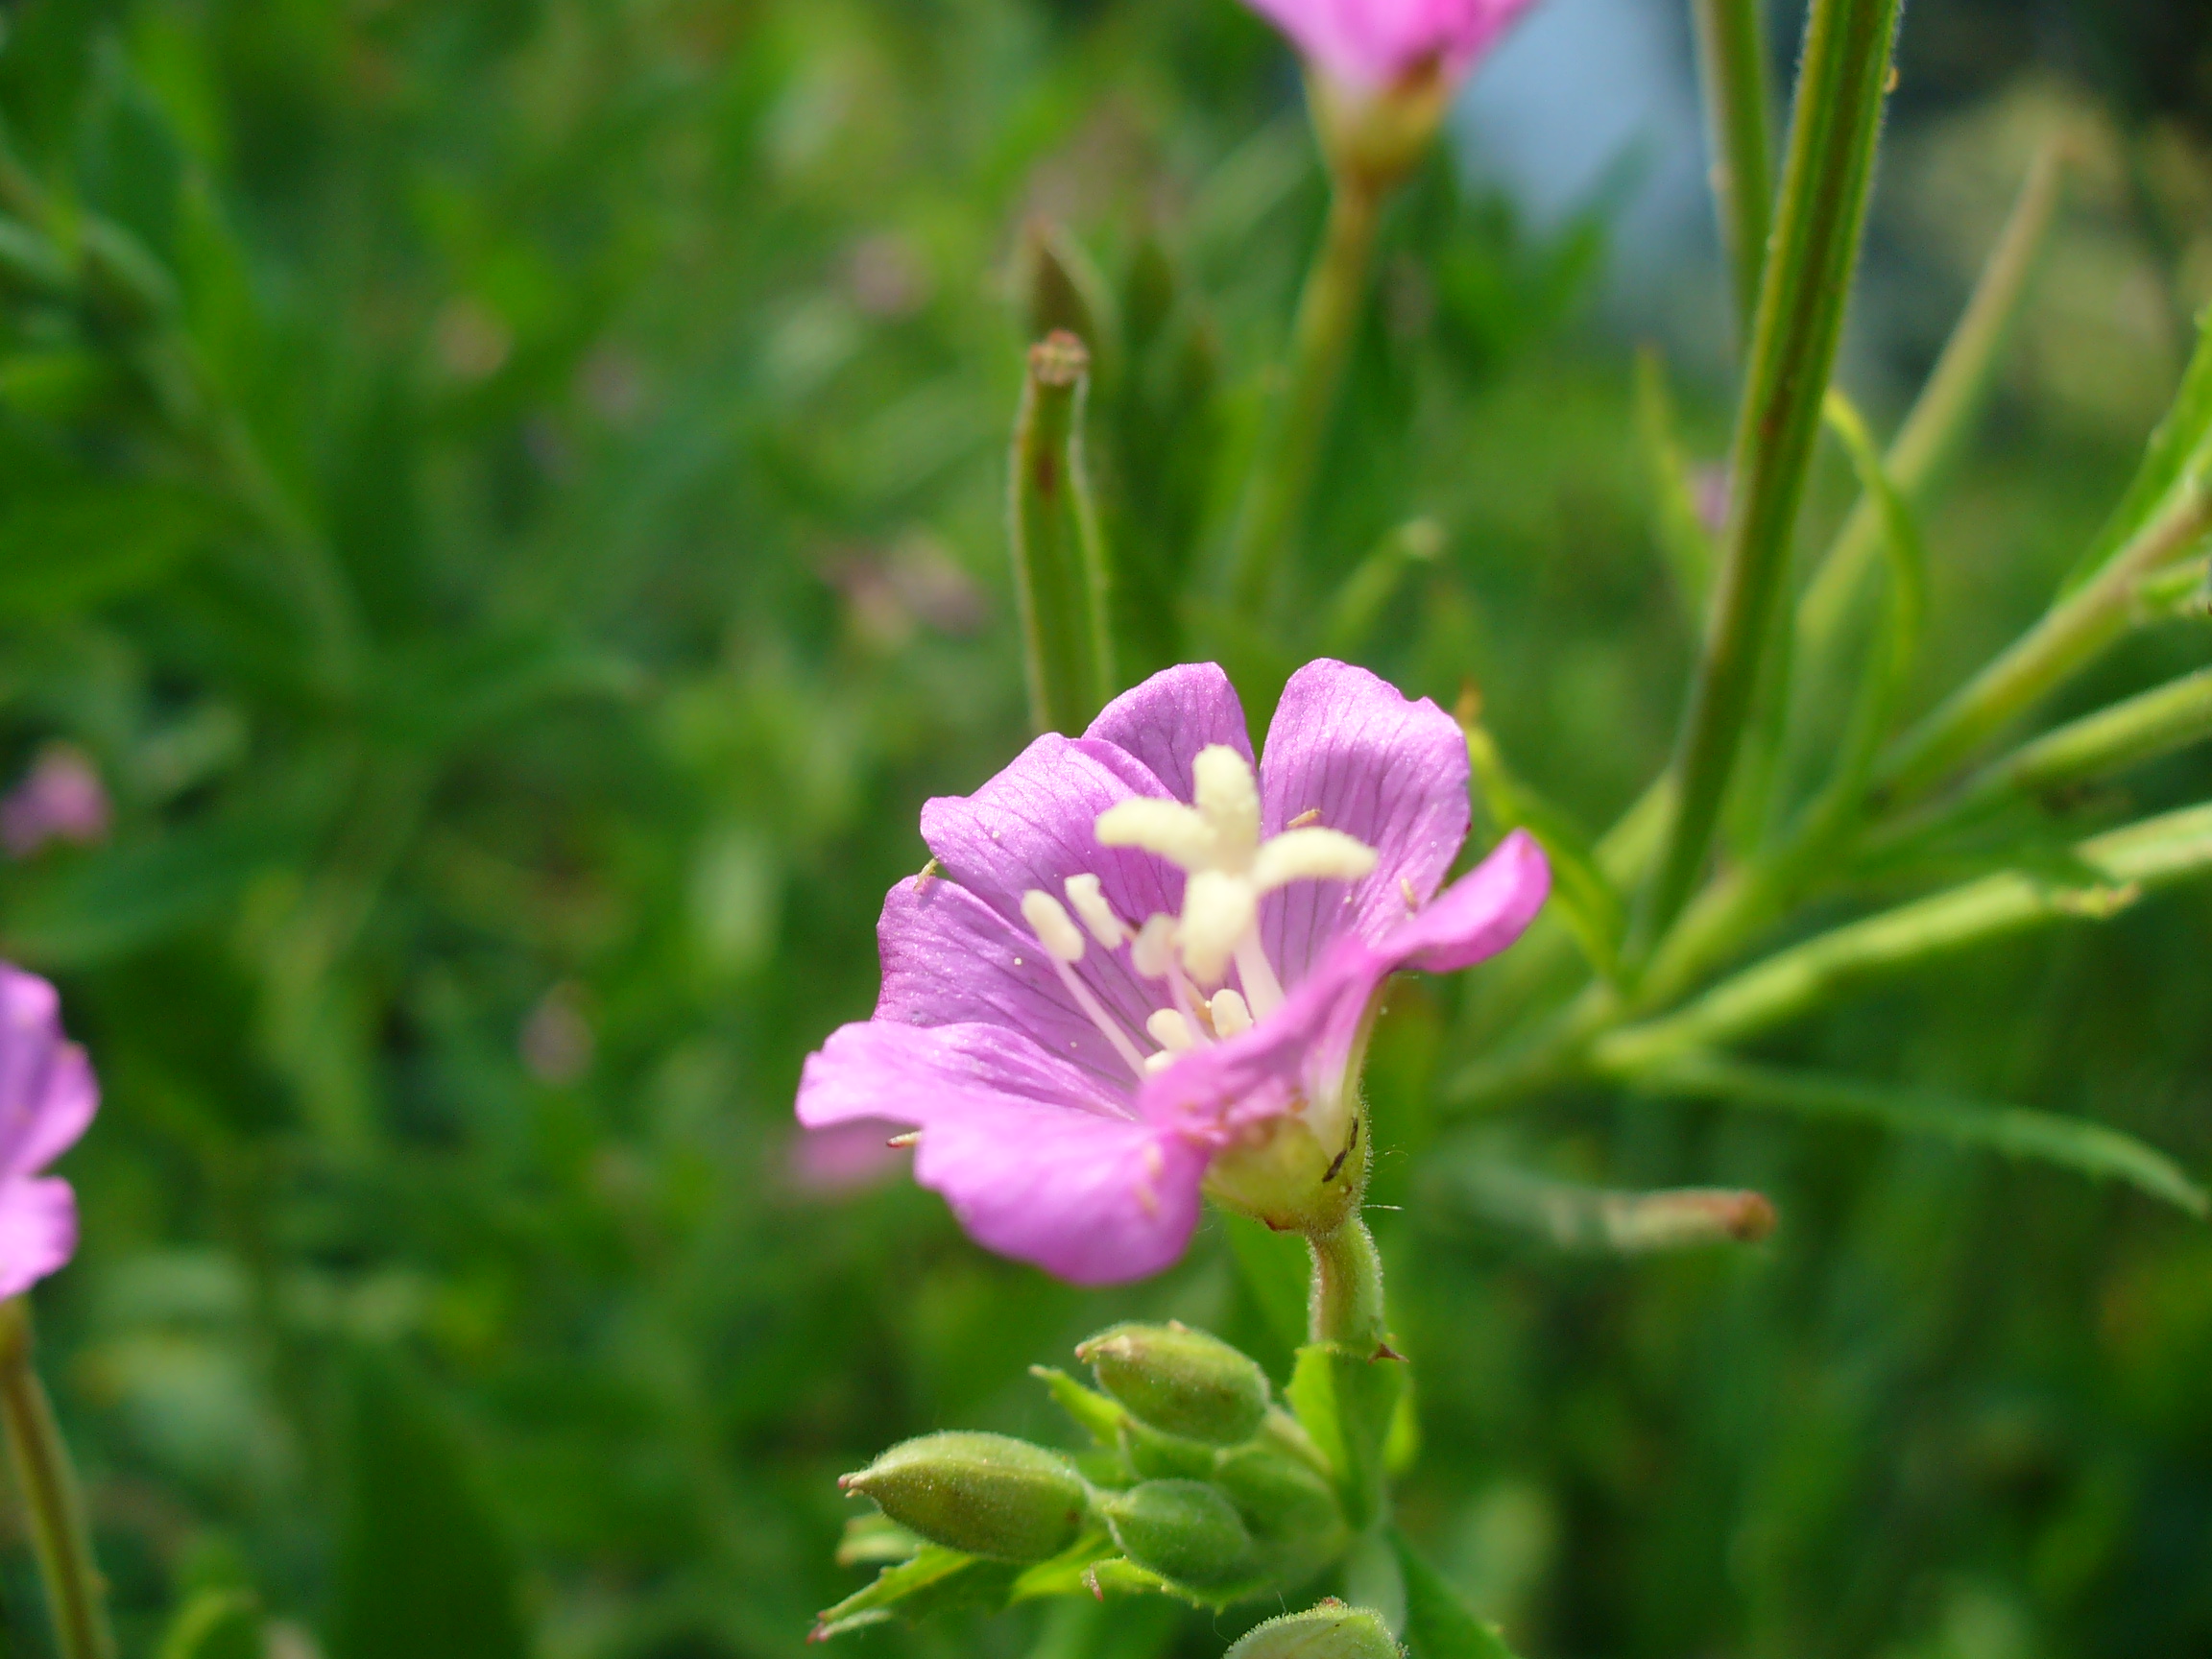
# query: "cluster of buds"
[1197,1483]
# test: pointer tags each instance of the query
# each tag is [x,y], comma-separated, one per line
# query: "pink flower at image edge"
[1072,1086]
[1368,44]
[48,1096]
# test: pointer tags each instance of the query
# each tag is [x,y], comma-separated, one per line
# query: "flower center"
[1229,868]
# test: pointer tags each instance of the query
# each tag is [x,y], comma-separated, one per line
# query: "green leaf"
[1437,1624]
[1346,1401]
[2092,1149]
[2176,448]
[1681,534]
[1588,902]
[1277,1268]
[422,1569]
[216,1625]
[1096,1415]
[71,544]
[936,1580]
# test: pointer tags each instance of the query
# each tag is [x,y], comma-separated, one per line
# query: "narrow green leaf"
[1588,902]
[935,1580]
[2177,447]
[216,1625]
[1350,618]
[422,1569]
[1437,1624]
[1738,124]
[1676,524]
[1096,1415]
[2092,1149]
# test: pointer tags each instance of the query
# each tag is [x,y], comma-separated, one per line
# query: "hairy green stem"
[1738,122]
[2070,635]
[1815,250]
[1289,446]
[75,1591]
[1347,1305]
[2155,852]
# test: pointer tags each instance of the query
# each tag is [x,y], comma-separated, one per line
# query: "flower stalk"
[1815,248]
[1059,549]
[76,1594]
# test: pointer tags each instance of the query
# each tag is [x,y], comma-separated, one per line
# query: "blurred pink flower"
[61,799]
[47,1097]
[1368,44]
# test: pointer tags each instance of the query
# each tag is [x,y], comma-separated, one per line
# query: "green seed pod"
[1181,1529]
[980,1494]
[1152,1455]
[1330,1631]
[1180,1380]
[1286,1503]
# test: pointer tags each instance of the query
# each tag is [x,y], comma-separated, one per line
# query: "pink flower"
[61,799]
[47,1097]
[1074,1076]
[1369,44]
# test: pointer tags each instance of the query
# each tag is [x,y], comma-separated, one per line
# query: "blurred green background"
[508,496]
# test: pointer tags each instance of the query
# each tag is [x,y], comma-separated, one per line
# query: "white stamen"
[1218,909]
[1059,936]
[1174,831]
[1171,1030]
[1109,1027]
[1311,855]
[1262,991]
[1090,903]
[1160,1062]
[1231,1013]
[1229,801]
[1153,954]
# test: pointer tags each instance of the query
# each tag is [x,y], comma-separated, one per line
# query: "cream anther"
[1231,1015]
[1059,935]
[1153,953]
[1090,903]
[1171,1030]
[1311,855]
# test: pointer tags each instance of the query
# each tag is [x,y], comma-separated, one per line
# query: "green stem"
[1347,1305]
[1732,66]
[1948,404]
[1059,554]
[2158,852]
[1289,444]
[2068,637]
[1815,250]
[75,1591]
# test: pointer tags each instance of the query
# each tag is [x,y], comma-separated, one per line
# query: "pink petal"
[1166,721]
[48,1093]
[949,959]
[1370,44]
[37,1231]
[1383,769]
[917,1075]
[1035,1161]
[1035,825]
[1479,914]
[1095,1200]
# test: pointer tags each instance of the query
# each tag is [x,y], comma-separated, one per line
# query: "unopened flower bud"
[980,1494]
[1287,1502]
[1330,1630]
[1180,1380]
[1181,1529]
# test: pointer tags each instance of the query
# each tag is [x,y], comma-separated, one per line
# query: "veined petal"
[949,959]
[1035,1161]
[48,1094]
[1386,770]
[1479,914]
[1165,723]
[1311,855]
[1095,1200]
[924,1076]
[1033,825]
[1370,44]
[37,1230]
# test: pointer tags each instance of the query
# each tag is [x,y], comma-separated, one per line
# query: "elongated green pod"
[1180,1382]
[980,1494]
[1058,548]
